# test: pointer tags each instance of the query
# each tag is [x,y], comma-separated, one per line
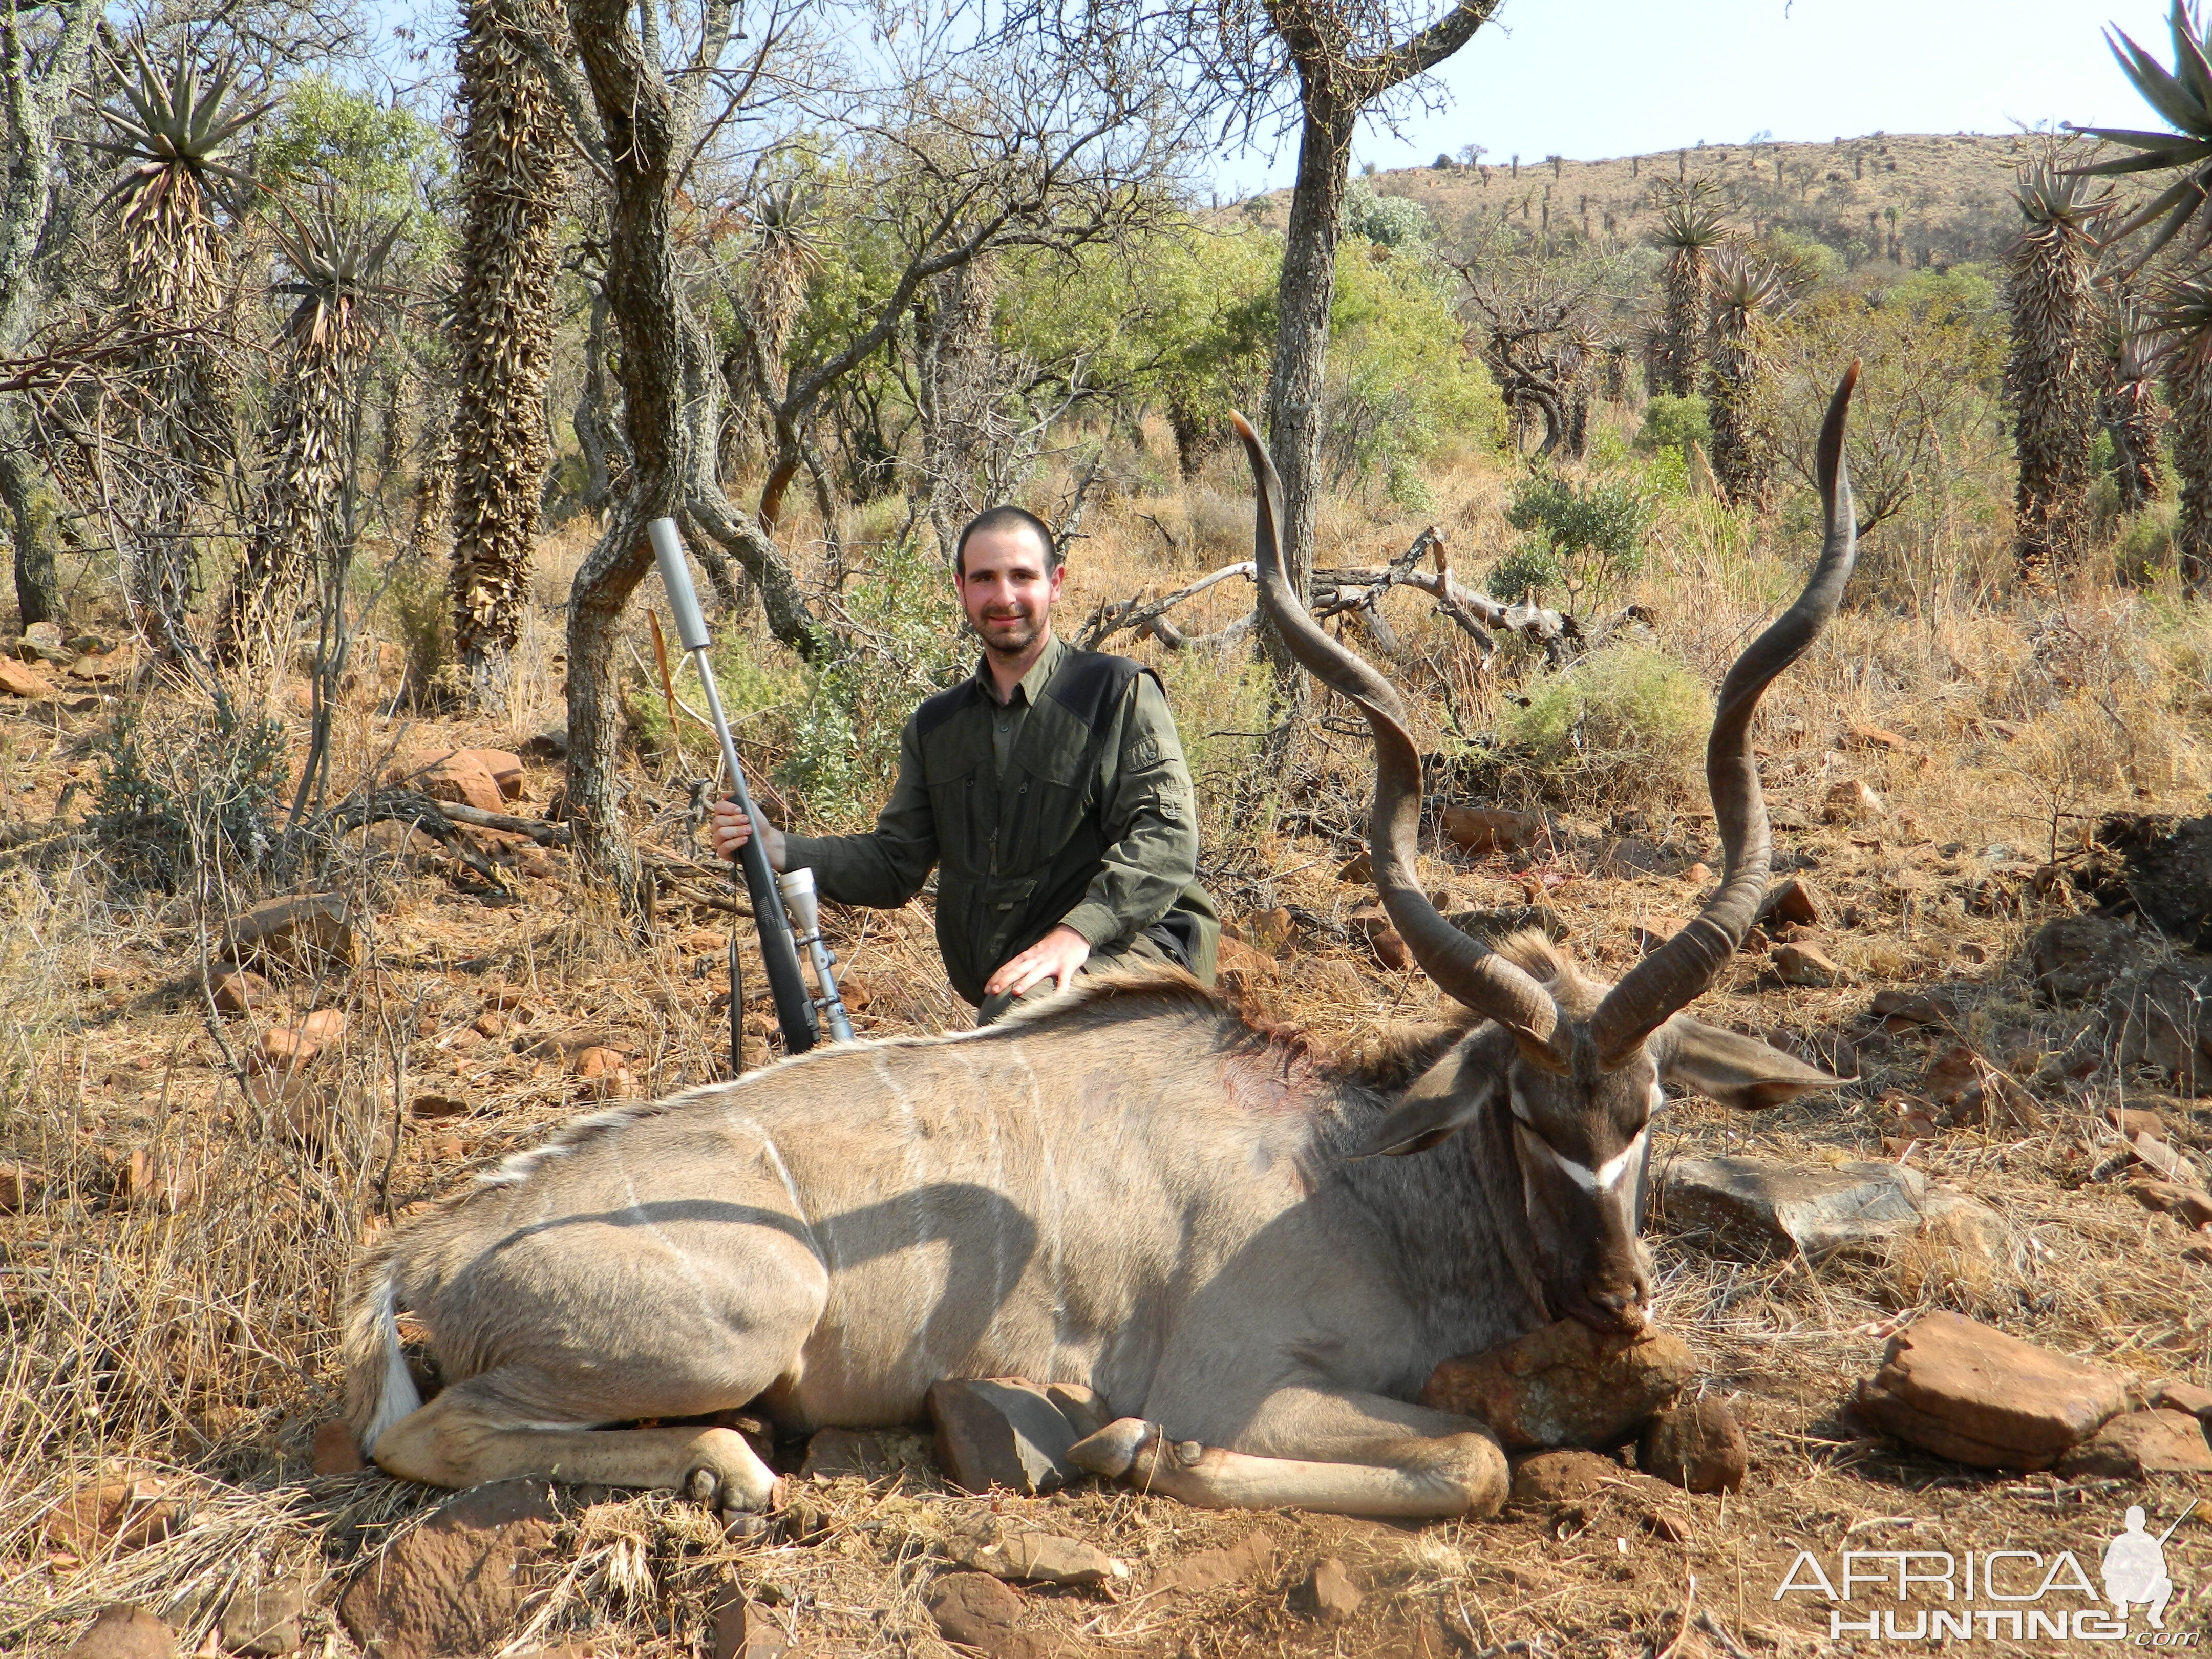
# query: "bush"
[1672,423]
[1624,727]
[1586,539]
[1391,221]
[200,794]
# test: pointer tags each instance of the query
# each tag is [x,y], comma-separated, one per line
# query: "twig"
[1133,613]
[1730,1645]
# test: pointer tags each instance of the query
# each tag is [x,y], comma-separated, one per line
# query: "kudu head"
[1578,1066]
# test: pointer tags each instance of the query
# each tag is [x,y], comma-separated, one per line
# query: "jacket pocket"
[953,806]
[1047,804]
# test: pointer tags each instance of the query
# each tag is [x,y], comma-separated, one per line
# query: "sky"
[1587,79]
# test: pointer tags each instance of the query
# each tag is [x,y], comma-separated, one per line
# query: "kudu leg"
[1331,1452]
[458,1441]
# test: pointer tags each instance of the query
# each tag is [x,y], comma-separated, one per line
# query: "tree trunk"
[2050,375]
[2190,389]
[38,585]
[1294,389]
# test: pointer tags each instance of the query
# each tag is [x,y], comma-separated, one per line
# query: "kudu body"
[1128,1188]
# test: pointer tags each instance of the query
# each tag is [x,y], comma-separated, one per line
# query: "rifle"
[780,941]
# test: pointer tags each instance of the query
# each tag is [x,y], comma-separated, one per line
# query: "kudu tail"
[379,1391]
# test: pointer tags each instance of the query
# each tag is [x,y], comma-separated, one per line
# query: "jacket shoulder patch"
[935,711]
[1090,684]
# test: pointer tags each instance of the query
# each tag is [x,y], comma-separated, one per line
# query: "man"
[1049,789]
[2135,1570]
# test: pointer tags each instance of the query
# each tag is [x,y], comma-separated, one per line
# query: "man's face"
[1005,589]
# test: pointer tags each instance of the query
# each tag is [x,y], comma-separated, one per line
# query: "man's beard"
[1010,635]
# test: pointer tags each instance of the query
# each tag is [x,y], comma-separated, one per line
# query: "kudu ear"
[1735,1070]
[1444,1100]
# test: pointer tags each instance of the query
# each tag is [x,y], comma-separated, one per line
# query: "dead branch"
[1133,613]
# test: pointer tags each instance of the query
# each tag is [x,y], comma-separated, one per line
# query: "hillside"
[1913,197]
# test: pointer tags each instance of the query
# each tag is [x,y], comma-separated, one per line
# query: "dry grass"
[176,1323]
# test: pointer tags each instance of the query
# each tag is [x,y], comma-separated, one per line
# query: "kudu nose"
[1613,1308]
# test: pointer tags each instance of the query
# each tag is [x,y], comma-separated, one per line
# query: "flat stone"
[1005,1431]
[1970,1393]
[324,1025]
[236,990]
[460,775]
[130,1513]
[1560,1477]
[2191,1205]
[1867,1208]
[19,679]
[449,1587]
[868,1454]
[124,1633]
[1699,1447]
[1490,829]
[1806,964]
[2186,1397]
[2078,957]
[283,1049]
[1038,1558]
[1851,801]
[1563,1385]
[336,1452]
[1328,1593]
[265,1622]
[312,933]
[101,667]
[977,1611]
[1899,1008]
[45,636]
[1250,1559]
[2138,1443]
[735,1629]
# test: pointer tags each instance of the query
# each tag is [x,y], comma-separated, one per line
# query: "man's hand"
[1055,957]
[732,830]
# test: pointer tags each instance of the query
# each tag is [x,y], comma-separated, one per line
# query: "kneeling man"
[1049,788]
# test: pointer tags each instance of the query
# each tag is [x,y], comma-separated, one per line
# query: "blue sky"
[1594,78]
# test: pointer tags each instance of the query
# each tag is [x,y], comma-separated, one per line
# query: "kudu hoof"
[741,1516]
[1114,1451]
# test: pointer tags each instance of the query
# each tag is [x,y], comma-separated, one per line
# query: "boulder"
[461,774]
[1865,1208]
[236,990]
[104,667]
[2138,1443]
[1560,1477]
[19,679]
[1563,1385]
[449,1587]
[2160,1019]
[312,933]
[2077,958]
[1699,1447]
[868,1454]
[2179,1396]
[130,1513]
[1965,1391]
[2190,1205]
[1004,1431]
[336,1452]
[282,1049]
[977,1611]
[265,1622]
[124,1633]
[1037,1558]
[1490,829]
[1250,1559]
[1328,1593]
[46,639]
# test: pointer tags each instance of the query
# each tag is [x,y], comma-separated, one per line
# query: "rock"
[1358,869]
[1970,1393]
[1870,737]
[1792,900]
[130,1514]
[2077,958]
[264,1623]
[2163,1161]
[738,1629]
[1004,1432]
[1859,1207]
[19,679]
[1372,923]
[2138,1443]
[1898,1009]
[124,1633]
[447,1587]
[324,1025]
[1040,1558]
[1699,1447]
[103,667]
[1806,964]
[486,779]
[2133,1121]
[868,1454]
[1656,929]
[1490,829]
[17,1186]
[2191,1205]
[1851,802]
[550,745]
[1560,1477]
[2186,1397]
[235,989]
[490,1024]
[1563,1385]
[282,1049]
[2159,1014]
[1700,874]
[977,1611]
[1274,930]
[436,1106]
[1249,1558]
[1328,1593]
[314,933]
[45,637]
[336,1452]
[2167,873]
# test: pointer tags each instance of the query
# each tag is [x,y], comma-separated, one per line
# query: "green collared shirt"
[1069,804]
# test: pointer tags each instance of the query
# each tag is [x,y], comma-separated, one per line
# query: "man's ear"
[1735,1070]
[1053,579]
[1444,1100]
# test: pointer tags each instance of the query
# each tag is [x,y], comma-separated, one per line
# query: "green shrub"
[199,792]
[1624,727]
[2146,543]
[1584,540]
[1672,423]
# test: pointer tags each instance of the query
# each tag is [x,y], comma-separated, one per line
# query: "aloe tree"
[1690,229]
[2052,372]
[173,139]
[1740,389]
[2126,405]
[299,521]
[2182,315]
[513,185]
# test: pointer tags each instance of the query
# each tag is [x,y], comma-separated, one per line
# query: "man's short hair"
[1005,518]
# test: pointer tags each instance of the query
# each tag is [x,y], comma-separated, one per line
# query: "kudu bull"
[1128,1188]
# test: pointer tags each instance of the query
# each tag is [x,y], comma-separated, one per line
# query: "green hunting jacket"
[1069,803]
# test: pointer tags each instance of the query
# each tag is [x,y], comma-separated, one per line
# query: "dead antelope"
[1129,1188]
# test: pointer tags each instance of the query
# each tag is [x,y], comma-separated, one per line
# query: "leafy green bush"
[1672,423]
[1391,221]
[199,792]
[1584,540]
[1622,728]
[2146,543]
